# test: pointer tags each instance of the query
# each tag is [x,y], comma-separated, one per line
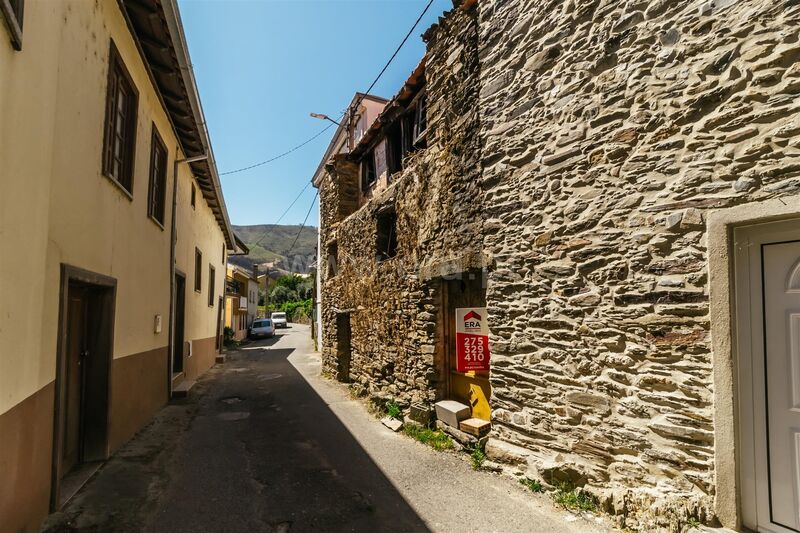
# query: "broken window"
[386,242]
[333,259]
[394,148]
[368,176]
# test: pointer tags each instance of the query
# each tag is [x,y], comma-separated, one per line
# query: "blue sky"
[263,66]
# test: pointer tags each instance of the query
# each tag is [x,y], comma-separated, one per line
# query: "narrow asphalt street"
[264,444]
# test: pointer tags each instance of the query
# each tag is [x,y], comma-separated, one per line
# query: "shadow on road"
[265,452]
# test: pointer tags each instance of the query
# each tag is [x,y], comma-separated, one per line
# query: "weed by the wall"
[433,438]
[534,485]
[393,410]
[569,497]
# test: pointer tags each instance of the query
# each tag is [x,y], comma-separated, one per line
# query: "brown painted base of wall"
[138,390]
[204,355]
[26,441]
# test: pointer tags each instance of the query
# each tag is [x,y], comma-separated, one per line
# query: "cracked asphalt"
[264,444]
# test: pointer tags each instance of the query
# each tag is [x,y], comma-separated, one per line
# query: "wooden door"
[470,388]
[180,309]
[343,346]
[75,378]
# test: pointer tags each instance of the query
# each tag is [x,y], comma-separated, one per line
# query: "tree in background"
[292,295]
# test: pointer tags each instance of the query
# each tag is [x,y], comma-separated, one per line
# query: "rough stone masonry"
[610,130]
[597,136]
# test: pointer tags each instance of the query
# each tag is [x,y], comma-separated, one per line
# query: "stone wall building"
[628,173]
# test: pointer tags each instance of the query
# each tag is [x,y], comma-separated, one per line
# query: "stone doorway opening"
[344,349]
[467,289]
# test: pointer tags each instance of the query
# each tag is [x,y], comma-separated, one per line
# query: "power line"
[283,215]
[302,225]
[397,51]
[358,102]
[284,154]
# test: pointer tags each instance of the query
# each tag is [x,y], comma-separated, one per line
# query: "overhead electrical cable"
[284,154]
[358,102]
[303,224]
[282,215]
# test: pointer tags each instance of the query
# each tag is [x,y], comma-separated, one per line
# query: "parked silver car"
[280,320]
[263,327]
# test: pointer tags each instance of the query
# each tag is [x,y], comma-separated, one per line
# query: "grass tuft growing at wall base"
[433,438]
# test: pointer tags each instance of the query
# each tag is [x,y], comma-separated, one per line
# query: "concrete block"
[451,412]
[421,413]
[392,423]
[475,426]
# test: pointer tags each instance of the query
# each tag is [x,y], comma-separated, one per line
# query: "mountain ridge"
[272,244]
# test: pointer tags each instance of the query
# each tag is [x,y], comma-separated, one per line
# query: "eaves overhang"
[412,85]
[341,131]
[156,27]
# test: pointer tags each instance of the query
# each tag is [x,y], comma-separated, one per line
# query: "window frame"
[212,272]
[394,148]
[198,270]
[157,143]
[383,237]
[117,71]
[13,12]
[367,163]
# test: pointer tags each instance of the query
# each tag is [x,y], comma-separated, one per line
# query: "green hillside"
[271,243]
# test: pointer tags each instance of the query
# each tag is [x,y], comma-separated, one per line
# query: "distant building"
[103,319]
[241,300]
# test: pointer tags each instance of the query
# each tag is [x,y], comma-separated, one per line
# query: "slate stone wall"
[394,304]
[610,130]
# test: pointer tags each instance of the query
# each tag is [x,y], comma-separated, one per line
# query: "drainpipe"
[172,248]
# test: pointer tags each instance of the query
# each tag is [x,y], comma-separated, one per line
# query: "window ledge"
[156,222]
[119,186]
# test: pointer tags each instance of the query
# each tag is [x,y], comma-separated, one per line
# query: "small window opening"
[386,242]
[333,259]
[194,196]
[368,176]
[394,148]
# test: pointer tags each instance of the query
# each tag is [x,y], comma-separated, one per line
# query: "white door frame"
[729,497]
[748,298]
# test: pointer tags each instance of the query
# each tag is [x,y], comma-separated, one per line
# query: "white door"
[768,265]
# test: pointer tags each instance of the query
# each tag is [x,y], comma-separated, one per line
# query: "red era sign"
[472,340]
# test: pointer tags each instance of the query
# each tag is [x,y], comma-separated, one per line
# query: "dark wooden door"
[343,346]
[220,309]
[180,305]
[77,352]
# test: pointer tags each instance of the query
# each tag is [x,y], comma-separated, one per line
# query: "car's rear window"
[262,323]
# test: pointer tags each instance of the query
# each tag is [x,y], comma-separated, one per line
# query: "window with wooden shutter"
[198,270]
[12,11]
[156,197]
[120,128]
[211,276]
